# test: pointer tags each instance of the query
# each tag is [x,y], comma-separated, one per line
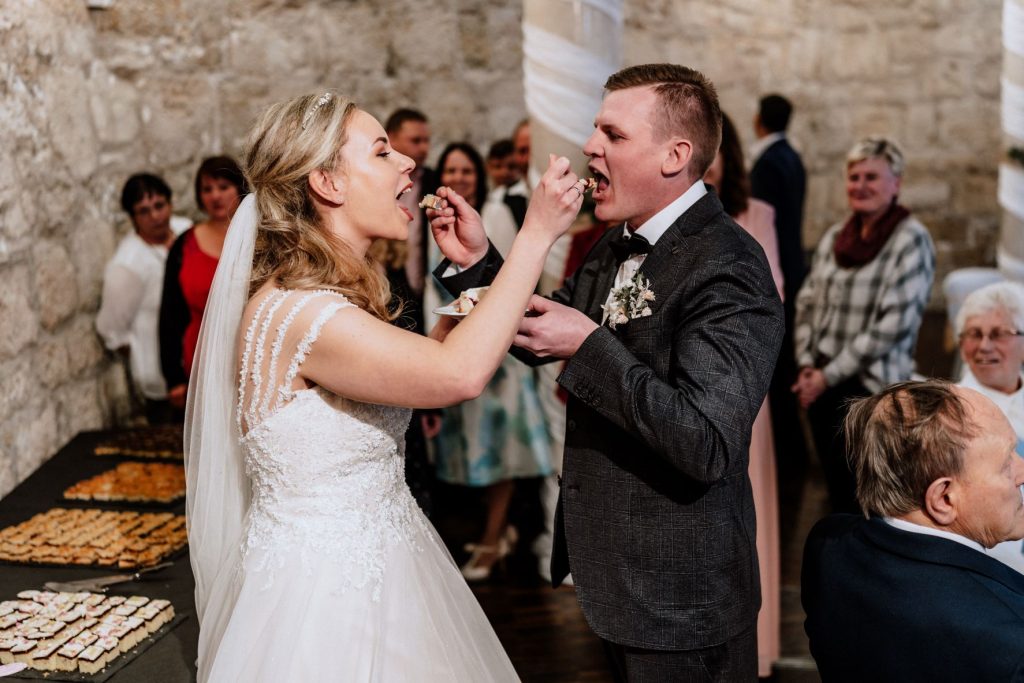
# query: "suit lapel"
[601,274]
[658,266]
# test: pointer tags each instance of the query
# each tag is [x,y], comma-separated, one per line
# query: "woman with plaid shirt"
[859,310]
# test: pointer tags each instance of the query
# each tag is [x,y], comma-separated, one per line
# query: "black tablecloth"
[172,658]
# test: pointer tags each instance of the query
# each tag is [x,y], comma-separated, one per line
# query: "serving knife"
[100,584]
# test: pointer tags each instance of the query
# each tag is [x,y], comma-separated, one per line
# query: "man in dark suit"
[777,177]
[405,263]
[909,593]
[409,133]
[671,328]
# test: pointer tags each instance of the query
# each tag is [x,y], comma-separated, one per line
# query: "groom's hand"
[552,329]
[457,229]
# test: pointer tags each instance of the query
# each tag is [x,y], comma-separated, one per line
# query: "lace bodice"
[327,473]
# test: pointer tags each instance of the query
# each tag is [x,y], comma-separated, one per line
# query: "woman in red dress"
[191,264]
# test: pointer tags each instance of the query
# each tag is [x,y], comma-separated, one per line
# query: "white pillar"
[570,48]
[1011,172]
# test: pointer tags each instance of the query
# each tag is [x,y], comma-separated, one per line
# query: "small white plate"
[450,311]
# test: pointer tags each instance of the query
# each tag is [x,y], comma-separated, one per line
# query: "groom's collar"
[656,226]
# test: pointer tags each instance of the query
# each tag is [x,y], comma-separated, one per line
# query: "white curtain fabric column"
[570,48]
[1011,171]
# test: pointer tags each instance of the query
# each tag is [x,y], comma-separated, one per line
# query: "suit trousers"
[734,661]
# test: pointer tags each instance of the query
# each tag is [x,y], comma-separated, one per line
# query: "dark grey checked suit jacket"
[655,516]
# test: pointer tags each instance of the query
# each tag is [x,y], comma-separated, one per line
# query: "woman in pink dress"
[729,177]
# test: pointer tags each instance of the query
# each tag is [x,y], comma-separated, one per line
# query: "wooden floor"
[543,629]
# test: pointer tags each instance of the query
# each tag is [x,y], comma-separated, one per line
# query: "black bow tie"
[623,247]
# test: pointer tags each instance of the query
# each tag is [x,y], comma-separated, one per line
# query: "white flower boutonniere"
[630,300]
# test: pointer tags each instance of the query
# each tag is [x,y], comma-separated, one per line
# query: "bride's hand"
[555,201]
[457,229]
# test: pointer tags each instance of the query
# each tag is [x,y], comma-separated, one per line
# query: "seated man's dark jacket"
[885,604]
[655,518]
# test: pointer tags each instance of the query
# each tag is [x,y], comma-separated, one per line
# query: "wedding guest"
[859,310]
[729,178]
[406,260]
[521,147]
[990,328]
[517,195]
[501,169]
[777,177]
[405,265]
[132,285]
[191,263]
[501,436]
[670,329]
[906,592]
[552,397]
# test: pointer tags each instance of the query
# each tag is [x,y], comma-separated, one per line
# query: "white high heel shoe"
[472,571]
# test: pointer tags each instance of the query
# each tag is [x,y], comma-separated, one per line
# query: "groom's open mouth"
[602,185]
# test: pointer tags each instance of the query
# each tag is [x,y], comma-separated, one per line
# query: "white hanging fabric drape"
[1011,173]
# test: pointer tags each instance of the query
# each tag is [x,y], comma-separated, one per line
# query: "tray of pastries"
[76,632]
[148,442]
[133,482]
[129,540]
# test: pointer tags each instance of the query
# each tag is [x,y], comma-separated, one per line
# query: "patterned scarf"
[851,250]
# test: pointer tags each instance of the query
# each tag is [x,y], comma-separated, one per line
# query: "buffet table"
[169,659]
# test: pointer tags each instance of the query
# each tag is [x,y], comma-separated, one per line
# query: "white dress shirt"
[129,312]
[929,531]
[652,231]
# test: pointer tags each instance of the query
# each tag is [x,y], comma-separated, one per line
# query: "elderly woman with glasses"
[989,326]
[859,310]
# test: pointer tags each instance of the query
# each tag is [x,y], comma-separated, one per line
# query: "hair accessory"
[324,99]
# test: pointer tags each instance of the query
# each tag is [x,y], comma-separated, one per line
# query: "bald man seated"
[907,592]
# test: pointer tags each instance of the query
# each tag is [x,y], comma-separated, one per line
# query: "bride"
[312,560]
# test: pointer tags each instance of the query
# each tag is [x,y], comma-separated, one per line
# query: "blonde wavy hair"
[293,245]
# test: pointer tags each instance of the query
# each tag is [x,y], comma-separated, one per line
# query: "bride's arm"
[364,358]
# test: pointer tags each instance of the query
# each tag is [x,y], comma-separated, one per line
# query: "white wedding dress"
[340,576]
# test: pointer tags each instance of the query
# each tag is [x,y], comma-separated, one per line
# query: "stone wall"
[925,72]
[91,96]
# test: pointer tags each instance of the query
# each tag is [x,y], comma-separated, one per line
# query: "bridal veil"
[217,488]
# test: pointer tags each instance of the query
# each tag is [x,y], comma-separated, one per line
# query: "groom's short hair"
[689,106]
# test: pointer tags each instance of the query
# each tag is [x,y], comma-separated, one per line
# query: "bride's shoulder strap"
[259,391]
[328,303]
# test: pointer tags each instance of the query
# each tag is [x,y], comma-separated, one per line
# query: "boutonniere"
[632,299]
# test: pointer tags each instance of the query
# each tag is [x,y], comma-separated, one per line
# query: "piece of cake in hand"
[431,201]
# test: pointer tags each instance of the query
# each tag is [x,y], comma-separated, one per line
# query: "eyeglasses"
[998,335]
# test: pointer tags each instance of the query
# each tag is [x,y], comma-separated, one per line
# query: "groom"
[655,518]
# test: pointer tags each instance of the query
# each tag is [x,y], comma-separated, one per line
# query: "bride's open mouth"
[398,198]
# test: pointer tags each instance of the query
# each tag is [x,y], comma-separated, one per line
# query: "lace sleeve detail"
[285,391]
[267,405]
[244,369]
[256,369]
